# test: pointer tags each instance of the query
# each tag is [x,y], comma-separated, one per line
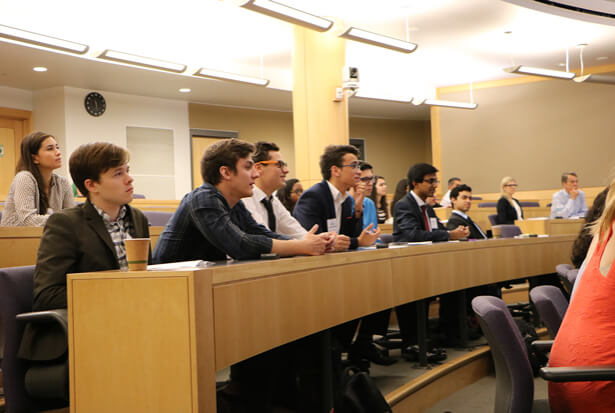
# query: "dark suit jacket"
[74,240]
[316,206]
[506,212]
[409,225]
[455,220]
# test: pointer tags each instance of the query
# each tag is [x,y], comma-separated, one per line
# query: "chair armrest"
[59,316]
[581,373]
[542,346]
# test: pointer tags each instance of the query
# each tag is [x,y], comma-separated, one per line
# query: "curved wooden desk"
[151,341]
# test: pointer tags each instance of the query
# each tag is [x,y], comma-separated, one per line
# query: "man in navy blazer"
[415,220]
[329,205]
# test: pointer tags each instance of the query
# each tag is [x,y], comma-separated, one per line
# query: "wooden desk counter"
[481,215]
[551,226]
[176,328]
[19,245]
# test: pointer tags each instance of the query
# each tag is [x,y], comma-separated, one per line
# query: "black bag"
[528,334]
[359,394]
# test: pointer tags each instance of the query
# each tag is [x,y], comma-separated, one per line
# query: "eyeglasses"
[511,185]
[298,191]
[354,165]
[432,181]
[280,164]
[366,178]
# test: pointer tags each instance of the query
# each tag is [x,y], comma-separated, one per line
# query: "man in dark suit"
[89,237]
[415,221]
[328,205]
[461,199]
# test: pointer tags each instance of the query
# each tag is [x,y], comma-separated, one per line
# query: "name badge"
[332,225]
[433,223]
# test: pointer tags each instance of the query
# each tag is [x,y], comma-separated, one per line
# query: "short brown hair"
[262,151]
[223,153]
[91,160]
[333,157]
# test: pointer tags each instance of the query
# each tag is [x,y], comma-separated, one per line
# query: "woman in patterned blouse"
[36,192]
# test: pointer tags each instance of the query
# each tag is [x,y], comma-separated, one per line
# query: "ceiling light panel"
[450,104]
[141,61]
[36,39]
[376,39]
[218,75]
[538,71]
[287,13]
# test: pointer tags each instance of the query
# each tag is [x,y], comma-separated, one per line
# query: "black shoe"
[411,353]
[372,353]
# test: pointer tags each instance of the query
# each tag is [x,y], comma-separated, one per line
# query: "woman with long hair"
[36,192]
[289,194]
[509,209]
[587,334]
[400,191]
[379,196]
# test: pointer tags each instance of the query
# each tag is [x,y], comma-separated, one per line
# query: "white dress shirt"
[338,200]
[421,203]
[284,222]
[446,200]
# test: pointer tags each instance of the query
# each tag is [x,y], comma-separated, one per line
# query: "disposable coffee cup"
[137,253]
[496,231]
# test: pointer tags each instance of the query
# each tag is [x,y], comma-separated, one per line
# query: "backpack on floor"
[359,394]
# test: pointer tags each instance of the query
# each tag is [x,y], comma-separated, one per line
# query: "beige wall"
[531,131]
[391,145]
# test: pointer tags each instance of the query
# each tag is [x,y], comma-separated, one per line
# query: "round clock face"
[95,104]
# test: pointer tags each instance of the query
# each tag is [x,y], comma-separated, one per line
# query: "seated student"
[569,202]
[446,199]
[401,189]
[584,239]
[328,205]
[289,194]
[36,192]
[379,197]
[586,336]
[211,222]
[415,220]
[266,209]
[461,200]
[364,190]
[89,237]
[508,208]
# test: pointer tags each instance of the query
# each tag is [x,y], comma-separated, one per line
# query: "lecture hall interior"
[481,89]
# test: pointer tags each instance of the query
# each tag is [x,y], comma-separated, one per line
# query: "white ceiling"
[460,41]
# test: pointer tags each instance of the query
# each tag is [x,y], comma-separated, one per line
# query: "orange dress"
[585,338]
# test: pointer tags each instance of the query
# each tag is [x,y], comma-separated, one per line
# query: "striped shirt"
[119,230]
[22,202]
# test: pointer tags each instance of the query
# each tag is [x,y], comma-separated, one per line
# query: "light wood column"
[318,59]
[436,149]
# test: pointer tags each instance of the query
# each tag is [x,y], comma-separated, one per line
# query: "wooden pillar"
[436,148]
[318,60]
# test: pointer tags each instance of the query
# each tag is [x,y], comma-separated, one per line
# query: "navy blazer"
[456,220]
[409,225]
[316,206]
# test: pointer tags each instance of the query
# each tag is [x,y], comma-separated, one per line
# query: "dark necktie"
[270,215]
[425,219]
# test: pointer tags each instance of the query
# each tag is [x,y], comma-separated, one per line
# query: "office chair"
[138,196]
[508,231]
[567,275]
[29,386]
[513,373]
[551,305]
[529,204]
[487,204]
[157,219]
[493,219]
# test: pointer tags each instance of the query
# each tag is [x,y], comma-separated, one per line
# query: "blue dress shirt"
[566,207]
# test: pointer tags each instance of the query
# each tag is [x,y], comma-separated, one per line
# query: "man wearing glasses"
[570,201]
[363,190]
[415,220]
[266,209]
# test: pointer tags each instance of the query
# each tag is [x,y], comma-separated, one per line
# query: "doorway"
[201,140]
[14,125]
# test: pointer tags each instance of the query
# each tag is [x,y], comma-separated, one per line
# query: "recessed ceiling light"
[39,69]
[508,32]
[185,90]
[561,64]
[602,58]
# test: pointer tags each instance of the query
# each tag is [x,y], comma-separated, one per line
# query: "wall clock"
[95,104]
